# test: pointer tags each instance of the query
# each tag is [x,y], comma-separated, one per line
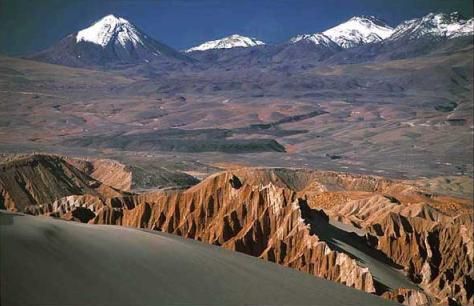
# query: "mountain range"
[114,40]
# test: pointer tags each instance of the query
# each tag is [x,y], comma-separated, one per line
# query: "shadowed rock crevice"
[235,182]
[348,243]
[84,215]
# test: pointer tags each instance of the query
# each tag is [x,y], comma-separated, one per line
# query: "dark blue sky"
[31,25]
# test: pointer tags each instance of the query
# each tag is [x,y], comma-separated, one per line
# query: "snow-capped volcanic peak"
[359,30]
[317,39]
[111,28]
[232,41]
[437,25]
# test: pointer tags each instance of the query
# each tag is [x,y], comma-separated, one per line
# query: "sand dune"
[45,261]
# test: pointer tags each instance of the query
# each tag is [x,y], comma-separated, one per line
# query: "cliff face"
[429,236]
[444,261]
[109,172]
[381,236]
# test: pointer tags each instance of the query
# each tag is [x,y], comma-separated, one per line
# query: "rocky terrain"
[343,117]
[361,231]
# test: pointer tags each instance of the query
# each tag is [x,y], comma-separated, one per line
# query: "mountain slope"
[41,179]
[232,41]
[111,40]
[359,30]
[397,49]
[432,34]
[306,49]
[435,26]
[317,39]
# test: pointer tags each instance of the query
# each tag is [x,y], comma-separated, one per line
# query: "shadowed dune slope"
[52,262]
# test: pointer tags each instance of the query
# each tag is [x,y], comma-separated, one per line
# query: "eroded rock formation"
[435,247]
[109,172]
[381,236]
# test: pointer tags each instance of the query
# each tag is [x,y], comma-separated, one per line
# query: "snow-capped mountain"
[317,39]
[359,30]
[311,48]
[435,25]
[113,41]
[306,48]
[111,29]
[110,40]
[232,41]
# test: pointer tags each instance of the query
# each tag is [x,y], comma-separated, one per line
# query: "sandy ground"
[52,262]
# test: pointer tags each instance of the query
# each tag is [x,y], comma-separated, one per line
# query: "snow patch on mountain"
[436,25]
[233,41]
[317,39]
[111,28]
[359,30]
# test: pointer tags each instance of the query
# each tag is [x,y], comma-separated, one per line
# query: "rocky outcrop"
[41,179]
[69,206]
[107,171]
[441,240]
[444,264]
[407,297]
